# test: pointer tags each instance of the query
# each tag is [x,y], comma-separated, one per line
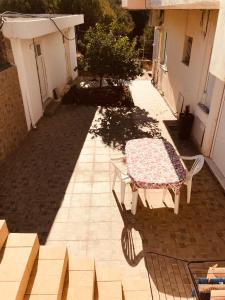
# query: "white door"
[41,72]
[218,153]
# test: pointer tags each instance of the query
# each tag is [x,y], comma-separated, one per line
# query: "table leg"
[177,202]
[134,202]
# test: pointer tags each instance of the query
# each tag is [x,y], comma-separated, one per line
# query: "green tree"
[123,23]
[29,6]
[107,55]
[95,11]
[146,41]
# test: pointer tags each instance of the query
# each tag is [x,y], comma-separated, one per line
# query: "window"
[187,50]
[164,51]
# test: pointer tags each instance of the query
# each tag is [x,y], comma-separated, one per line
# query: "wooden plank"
[217,295]
[206,288]
[176,292]
[185,277]
[166,278]
[158,274]
[216,272]
[152,278]
[177,274]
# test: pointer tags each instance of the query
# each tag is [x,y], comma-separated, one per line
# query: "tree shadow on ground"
[34,179]
[117,125]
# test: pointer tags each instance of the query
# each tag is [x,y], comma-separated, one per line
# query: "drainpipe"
[217,122]
[39,80]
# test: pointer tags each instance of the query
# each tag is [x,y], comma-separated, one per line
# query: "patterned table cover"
[154,164]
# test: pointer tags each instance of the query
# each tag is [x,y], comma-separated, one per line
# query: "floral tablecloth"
[154,164]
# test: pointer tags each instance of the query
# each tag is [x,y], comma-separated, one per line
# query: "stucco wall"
[55,62]
[180,79]
[54,58]
[182,4]
[13,127]
[216,82]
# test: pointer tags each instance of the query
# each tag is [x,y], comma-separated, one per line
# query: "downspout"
[39,80]
[217,121]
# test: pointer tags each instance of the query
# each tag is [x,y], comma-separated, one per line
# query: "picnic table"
[154,164]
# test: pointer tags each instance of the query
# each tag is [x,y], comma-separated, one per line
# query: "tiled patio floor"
[59,184]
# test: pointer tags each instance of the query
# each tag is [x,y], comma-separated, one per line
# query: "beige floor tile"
[86,158]
[76,231]
[79,214]
[101,199]
[101,166]
[100,214]
[82,187]
[101,187]
[85,176]
[80,200]
[62,215]
[99,230]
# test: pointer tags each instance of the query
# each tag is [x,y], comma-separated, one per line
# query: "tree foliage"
[107,55]
[146,41]
[123,23]
[30,6]
[94,10]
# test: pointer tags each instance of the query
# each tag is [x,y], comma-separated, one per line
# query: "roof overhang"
[170,4]
[33,27]
[183,4]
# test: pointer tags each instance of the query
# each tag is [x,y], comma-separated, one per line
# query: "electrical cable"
[11,14]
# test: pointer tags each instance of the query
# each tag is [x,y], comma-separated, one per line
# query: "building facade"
[44,51]
[189,67]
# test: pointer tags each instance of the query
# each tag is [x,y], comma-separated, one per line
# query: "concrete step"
[17,259]
[108,283]
[3,232]
[136,289]
[48,274]
[80,279]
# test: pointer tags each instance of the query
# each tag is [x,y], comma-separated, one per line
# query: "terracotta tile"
[52,252]
[108,274]
[109,290]
[9,290]
[21,240]
[81,263]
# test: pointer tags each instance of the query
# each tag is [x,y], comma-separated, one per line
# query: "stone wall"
[13,127]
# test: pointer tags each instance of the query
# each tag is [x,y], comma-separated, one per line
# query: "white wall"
[216,82]
[183,4]
[73,53]
[57,73]
[53,52]
[23,52]
[179,78]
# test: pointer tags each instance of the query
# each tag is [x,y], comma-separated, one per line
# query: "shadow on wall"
[117,125]
[34,179]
